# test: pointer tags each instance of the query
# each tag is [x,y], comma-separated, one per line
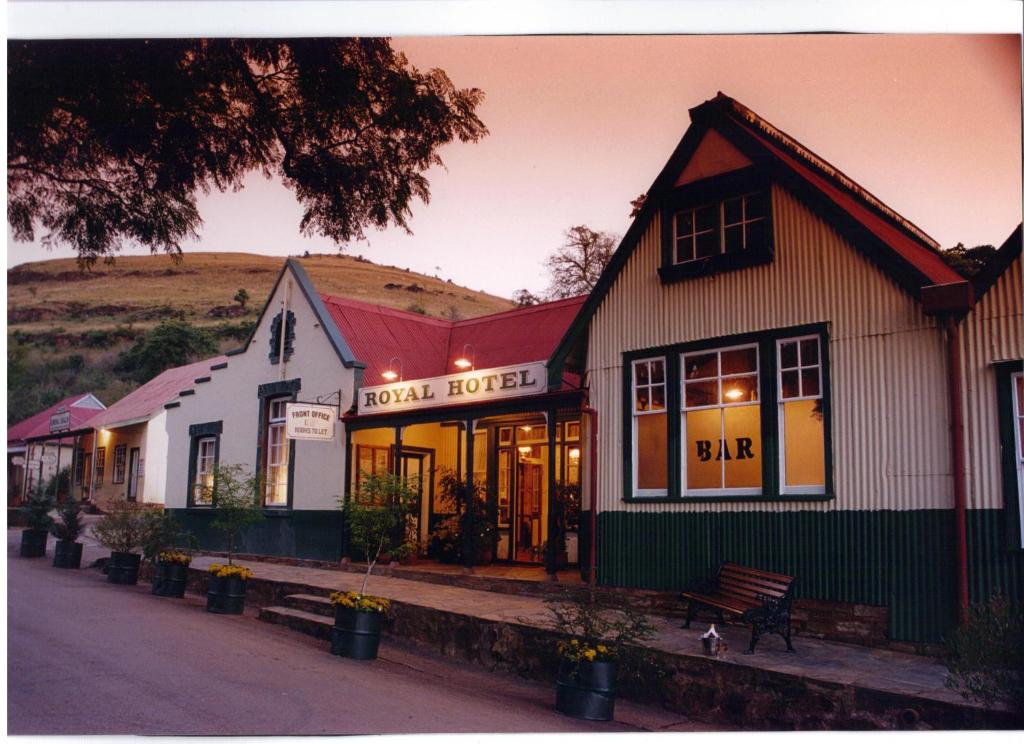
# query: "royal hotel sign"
[476,386]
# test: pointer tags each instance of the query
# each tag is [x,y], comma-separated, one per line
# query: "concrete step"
[310,603]
[309,623]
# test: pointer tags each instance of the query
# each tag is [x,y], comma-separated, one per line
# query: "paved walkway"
[830,663]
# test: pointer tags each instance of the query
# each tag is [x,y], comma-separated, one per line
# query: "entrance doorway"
[133,473]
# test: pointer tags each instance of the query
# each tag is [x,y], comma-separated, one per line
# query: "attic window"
[716,224]
[275,338]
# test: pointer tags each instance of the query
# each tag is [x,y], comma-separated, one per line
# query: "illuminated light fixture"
[525,449]
[574,453]
[464,361]
[389,374]
[526,429]
[734,394]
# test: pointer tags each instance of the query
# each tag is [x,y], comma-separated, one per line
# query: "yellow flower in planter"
[228,572]
[360,602]
[182,559]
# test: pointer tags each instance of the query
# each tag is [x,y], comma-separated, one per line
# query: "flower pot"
[123,568]
[170,580]
[356,633]
[67,554]
[586,689]
[226,596]
[33,543]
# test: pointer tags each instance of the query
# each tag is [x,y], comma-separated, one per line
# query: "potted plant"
[236,507]
[599,633]
[37,521]
[162,534]
[68,551]
[121,531]
[467,536]
[375,515]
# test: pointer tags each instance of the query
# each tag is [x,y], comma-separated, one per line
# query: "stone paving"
[821,661]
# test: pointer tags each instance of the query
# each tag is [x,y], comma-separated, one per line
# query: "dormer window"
[715,225]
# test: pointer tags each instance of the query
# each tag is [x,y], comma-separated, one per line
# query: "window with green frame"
[744,418]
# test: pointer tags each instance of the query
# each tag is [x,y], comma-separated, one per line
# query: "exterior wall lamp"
[465,361]
[389,374]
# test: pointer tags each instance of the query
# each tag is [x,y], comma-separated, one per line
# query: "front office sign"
[465,387]
[310,421]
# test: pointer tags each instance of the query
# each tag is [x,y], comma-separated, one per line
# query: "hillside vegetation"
[67,328]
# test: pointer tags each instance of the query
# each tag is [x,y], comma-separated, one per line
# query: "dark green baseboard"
[904,560]
[316,535]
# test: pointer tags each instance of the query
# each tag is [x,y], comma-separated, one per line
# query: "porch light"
[525,449]
[574,453]
[389,374]
[526,429]
[464,361]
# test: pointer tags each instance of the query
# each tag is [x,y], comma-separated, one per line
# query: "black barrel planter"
[586,689]
[226,596]
[67,554]
[33,543]
[356,633]
[123,568]
[170,580]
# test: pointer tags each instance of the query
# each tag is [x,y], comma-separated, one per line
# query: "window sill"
[277,511]
[763,498]
[713,265]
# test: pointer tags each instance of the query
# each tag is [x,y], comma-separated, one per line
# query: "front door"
[414,472]
[528,511]
[133,473]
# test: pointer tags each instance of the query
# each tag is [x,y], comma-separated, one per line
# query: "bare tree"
[577,264]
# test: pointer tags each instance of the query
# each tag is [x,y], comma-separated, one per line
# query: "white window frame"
[1018,451]
[276,423]
[720,226]
[686,492]
[648,493]
[197,479]
[785,490]
[117,477]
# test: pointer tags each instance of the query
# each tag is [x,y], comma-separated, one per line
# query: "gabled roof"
[893,243]
[83,407]
[143,402]
[419,346]
[1000,262]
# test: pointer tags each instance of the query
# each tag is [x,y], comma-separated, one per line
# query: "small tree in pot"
[236,504]
[161,535]
[376,516]
[121,531]
[600,631]
[68,552]
[37,521]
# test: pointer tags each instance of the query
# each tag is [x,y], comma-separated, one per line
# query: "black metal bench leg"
[690,609]
[789,643]
[755,635]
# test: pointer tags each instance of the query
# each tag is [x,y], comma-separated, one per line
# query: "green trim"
[267,391]
[222,365]
[1007,445]
[195,433]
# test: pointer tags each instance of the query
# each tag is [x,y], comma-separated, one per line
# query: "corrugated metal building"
[768,357]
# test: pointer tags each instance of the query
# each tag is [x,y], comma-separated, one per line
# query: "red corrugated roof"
[149,399]
[428,347]
[38,425]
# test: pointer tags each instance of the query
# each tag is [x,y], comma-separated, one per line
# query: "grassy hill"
[66,328]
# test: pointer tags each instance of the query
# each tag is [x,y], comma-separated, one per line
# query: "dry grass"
[47,294]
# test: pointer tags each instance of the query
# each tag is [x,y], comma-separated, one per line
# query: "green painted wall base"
[903,560]
[316,535]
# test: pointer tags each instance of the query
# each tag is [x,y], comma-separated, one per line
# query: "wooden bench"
[760,598]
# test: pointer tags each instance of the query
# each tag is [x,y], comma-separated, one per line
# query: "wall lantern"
[525,450]
[465,361]
[574,453]
[389,374]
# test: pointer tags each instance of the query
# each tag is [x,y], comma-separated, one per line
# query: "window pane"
[643,399]
[658,397]
[808,352]
[734,239]
[703,432]
[684,223]
[707,244]
[657,371]
[739,389]
[790,384]
[741,449]
[809,381]
[739,360]
[757,234]
[707,218]
[702,393]
[684,249]
[642,373]
[733,209]
[1020,395]
[1020,437]
[652,451]
[755,205]
[700,365]
[787,355]
[805,443]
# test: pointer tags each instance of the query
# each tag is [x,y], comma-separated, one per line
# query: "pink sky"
[581,125]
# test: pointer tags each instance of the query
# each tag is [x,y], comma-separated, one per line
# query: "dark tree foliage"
[524,298]
[110,141]
[968,261]
[171,344]
[577,264]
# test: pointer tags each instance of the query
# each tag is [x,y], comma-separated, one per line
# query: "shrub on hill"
[171,344]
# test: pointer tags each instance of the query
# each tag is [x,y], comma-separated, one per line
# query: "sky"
[581,125]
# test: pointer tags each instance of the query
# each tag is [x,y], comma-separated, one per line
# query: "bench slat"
[741,587]
[781,578]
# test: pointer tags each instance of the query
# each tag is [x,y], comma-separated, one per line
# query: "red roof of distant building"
[143,402]
[38,425]
[418,346]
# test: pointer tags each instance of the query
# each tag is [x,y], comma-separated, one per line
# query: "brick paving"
[825,662]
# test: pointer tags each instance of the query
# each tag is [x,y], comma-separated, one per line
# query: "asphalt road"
[88,657]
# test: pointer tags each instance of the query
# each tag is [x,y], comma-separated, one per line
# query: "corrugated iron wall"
[889,404]
[993,331]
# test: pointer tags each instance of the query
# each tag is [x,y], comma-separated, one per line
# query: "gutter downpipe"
[959,475]
[592,559]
